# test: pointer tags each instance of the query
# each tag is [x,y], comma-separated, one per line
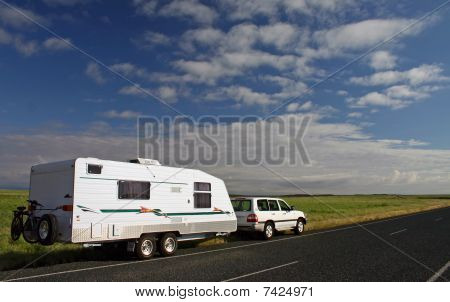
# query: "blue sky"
[232,57]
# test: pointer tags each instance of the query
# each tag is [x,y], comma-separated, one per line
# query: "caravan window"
[202,186]
[95,169]
[202,200]
[202,195]
[134,189]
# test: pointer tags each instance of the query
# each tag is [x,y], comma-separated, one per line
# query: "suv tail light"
[252,218]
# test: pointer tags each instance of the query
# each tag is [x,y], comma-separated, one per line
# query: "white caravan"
[149,206]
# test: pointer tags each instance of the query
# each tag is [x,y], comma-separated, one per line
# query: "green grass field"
[322,212]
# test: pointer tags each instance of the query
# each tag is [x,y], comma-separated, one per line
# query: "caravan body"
[97,200]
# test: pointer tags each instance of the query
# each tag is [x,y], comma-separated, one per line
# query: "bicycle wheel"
[29,231]
[16,228]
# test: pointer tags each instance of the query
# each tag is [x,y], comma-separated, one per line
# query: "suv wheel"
[269,229]
[300,227]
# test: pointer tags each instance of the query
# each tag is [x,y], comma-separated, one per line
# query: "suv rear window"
[242,205]
[263,205]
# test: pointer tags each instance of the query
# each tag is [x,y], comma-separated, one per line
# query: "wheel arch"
[269,221]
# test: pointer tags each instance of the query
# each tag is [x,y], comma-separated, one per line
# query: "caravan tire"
[46,230]
[168,244]
[145,247]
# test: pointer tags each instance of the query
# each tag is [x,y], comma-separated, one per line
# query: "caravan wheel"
[46,230]
[168,244]
[145,247]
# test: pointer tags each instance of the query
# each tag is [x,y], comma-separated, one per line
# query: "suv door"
[289,216]
[262,210]
[275,213]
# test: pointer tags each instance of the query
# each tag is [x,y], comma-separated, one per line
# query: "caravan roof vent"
[145,161]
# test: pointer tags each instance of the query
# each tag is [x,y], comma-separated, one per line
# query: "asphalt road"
[408,248]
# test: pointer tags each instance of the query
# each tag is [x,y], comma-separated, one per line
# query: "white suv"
[267,214]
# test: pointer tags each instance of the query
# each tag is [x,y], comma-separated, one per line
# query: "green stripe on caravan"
[159,214]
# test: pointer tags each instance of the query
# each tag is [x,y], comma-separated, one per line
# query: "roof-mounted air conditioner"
[145,161]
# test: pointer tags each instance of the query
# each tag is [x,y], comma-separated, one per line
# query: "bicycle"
[27,229]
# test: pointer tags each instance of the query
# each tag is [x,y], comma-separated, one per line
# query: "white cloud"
[382,60]
[425,73]
[379,99]
[404,91]
[231,64]
[201,36]
[339,153]
[150,39]
[342,93]
[397,177]
[355,115]
[292,107]
[13,18]
[57,44]
[306,106]
[289,88]
[205,71]
[246,96]
[249,9]
[189,9]
[395,97]
[242,37]
[23,46]
[295,107]
[145,7]
[5,37]
[131,70]
[126,114]
[236,52]
[414,142]
[94,73]
[133,90]
[361,34]
[241,10]
[167,93]
[283,36]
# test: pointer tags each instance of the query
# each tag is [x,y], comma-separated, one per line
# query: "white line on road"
[437,219]
[439,272]
[211,251]
[259,272]
[402,230]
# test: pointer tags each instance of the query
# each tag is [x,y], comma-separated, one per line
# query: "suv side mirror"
[292,208]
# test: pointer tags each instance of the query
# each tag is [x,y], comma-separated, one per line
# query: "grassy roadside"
[320,212]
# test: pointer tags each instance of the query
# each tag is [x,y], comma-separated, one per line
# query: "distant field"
[329,211]
[322,212]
